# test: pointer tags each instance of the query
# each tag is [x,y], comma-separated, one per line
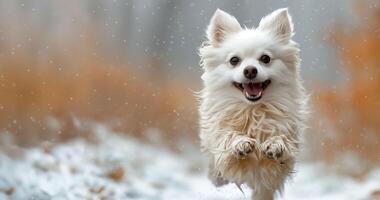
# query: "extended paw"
[244,147]
[274,149]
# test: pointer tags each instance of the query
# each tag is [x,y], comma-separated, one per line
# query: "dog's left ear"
[279,23]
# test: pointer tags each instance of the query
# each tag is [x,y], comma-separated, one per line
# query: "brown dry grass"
[110,95]
[51,84]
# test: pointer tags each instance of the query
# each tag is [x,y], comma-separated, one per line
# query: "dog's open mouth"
[252,91]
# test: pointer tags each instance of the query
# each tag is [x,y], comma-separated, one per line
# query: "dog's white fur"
[253,143]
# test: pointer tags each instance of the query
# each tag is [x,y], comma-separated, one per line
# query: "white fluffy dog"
[253,105]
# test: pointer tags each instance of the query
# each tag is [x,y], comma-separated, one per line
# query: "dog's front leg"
[230,145]
[229,148]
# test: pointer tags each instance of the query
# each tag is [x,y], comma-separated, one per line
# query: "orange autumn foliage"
[52,94]
[353,109]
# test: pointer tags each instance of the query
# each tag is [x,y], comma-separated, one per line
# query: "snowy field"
[120,167]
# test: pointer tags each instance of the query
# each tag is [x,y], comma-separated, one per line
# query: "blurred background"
[98,95]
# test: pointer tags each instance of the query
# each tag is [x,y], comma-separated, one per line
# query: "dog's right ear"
[221,25]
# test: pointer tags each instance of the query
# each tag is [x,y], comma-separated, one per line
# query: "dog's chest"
[258,122]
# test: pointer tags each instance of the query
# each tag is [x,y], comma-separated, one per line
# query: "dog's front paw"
[243,147]
[274,149]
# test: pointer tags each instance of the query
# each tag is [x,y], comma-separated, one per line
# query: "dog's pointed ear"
[221,25]
[279,22]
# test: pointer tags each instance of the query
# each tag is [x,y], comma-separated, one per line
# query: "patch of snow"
[81,170]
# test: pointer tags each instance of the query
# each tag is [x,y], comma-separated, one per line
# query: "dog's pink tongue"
[253,89]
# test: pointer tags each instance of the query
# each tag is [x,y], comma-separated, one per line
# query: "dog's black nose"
[250,72]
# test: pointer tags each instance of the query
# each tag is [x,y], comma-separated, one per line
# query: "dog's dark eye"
[234,61]
[265,59]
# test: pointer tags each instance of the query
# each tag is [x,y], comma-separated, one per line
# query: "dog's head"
[255,64]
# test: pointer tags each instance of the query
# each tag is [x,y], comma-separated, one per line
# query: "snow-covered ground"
[121,167]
